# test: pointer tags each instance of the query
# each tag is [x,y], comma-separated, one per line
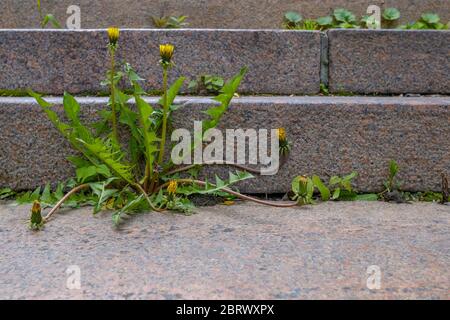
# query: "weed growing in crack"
[46,19]
[171,22]
[113,175]
[342,18]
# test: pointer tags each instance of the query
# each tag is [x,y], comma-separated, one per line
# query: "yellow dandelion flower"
[281,134]
[166,52]
[113,34]
[36,208]
[36,220]
[172,188]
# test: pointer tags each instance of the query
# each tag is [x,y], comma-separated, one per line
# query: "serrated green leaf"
[59,192]
[336,194]
[102,150]
[71,107]
[150,138]
[85,173]
[173,91]
[346,180]
[335,180]
[78,162]
[145,111]
[102,192]
[121,97]
[128,208]
[214,189]
[133,77]
[324,191]
[39,99]
[136,144]
[46,197]
[53,117]
[159,197]
[6,193]
[393,169]
[228,91]
[35,195]
[219,182]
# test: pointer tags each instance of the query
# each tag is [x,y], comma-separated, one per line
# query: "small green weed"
[172,22]
[207,84]
[46,19]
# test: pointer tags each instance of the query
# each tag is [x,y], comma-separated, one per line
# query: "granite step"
[329,136]
[53,61]
[389,61]
[280,62]
[202,13]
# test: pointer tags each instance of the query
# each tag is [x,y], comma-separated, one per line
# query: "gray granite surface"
[389,61]
[203,13]
[231,252]
[279,61]
[329,135]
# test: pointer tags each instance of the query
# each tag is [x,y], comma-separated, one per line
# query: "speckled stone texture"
[203,13]
[329,135]
[279,61]
[389,61]
[232,252]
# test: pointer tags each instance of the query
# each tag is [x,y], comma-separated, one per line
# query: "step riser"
[203,14]
[52,62]
[329,136]
[389,62]
[280,62]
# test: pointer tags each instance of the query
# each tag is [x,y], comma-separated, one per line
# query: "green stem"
[141,190]
[148,174]
[113,96]
[234,193]
[165,113]
[42,20]
[41,17]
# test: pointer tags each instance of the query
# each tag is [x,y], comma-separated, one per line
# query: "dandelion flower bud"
[166,52]
[113,34]
[281,134]
[172,188]
[36,220]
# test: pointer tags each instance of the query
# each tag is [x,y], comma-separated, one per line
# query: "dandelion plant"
[135,177]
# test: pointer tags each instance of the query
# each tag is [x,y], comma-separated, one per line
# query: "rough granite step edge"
[329,135]
[389,61]
[54,61]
